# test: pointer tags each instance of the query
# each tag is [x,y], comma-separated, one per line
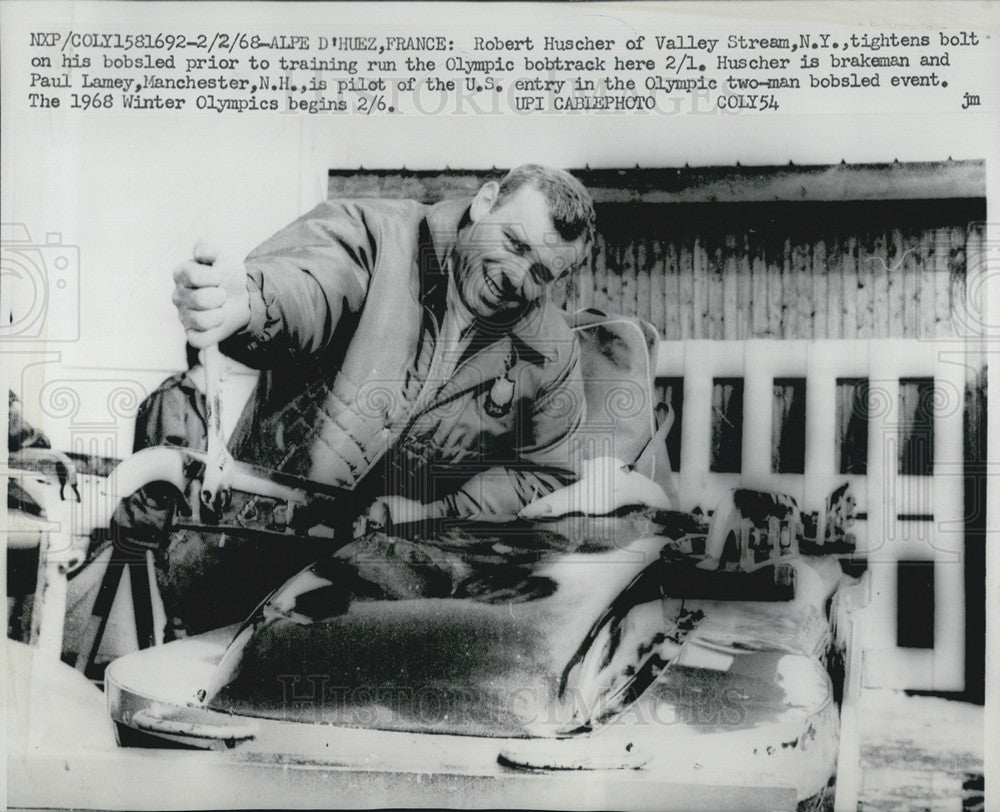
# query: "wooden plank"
[720,259]
[942,293]
[787,297]
[690,327]
[802,291]
[834,287]
[671,292]
[852,289]
[722,286]
[615,277]
[643,282]
[703,268]
[774,269]
[881,324]
[977,284]
[820,279]
[628,273]
[745,290]
[719,290]
[789,318]
[960,315]
[600,296]
[894,285]
[871,266]
[924,289]
[731,304]
[711,301]
[699,300]
[758,290]
[911,285]
[654,256]
[865,298]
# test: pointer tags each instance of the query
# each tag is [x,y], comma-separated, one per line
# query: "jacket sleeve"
[302,282]
[544,462]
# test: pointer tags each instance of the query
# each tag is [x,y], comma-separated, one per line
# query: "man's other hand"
[211,296]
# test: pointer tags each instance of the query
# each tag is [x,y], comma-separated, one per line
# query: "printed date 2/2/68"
[218,41]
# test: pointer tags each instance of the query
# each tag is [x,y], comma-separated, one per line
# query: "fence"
[885,415]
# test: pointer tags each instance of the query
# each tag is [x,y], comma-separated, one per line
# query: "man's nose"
[515,274]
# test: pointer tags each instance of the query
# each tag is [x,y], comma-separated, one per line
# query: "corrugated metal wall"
[820,270]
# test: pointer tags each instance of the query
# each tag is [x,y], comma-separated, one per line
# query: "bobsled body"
[491,649]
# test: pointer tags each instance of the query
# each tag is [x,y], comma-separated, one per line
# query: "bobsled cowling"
[575,642]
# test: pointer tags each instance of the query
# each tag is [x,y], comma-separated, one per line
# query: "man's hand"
[211,297]
[387,511]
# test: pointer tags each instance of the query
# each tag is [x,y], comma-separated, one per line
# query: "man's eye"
[515,246]
[541,274]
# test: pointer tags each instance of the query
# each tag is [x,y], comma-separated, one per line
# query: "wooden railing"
[911,514]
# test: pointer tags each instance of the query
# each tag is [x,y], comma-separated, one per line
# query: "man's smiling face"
[510,254]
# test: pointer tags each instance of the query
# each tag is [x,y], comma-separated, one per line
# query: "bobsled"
[678,660]
[527,648]
[532,648]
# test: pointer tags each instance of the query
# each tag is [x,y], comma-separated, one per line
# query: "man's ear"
[484,200]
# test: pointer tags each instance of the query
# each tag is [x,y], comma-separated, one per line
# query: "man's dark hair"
[570,204]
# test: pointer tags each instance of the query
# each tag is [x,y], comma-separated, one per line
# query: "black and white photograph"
[500,405]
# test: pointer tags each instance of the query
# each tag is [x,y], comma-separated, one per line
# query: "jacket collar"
[444,220]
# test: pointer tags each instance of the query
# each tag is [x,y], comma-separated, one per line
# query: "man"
[409,353]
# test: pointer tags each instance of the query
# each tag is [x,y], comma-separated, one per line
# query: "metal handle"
[214,488]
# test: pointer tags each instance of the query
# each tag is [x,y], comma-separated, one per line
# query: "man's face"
[509,255]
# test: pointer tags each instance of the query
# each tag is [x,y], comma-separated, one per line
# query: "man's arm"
[289,295]
[545,461]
